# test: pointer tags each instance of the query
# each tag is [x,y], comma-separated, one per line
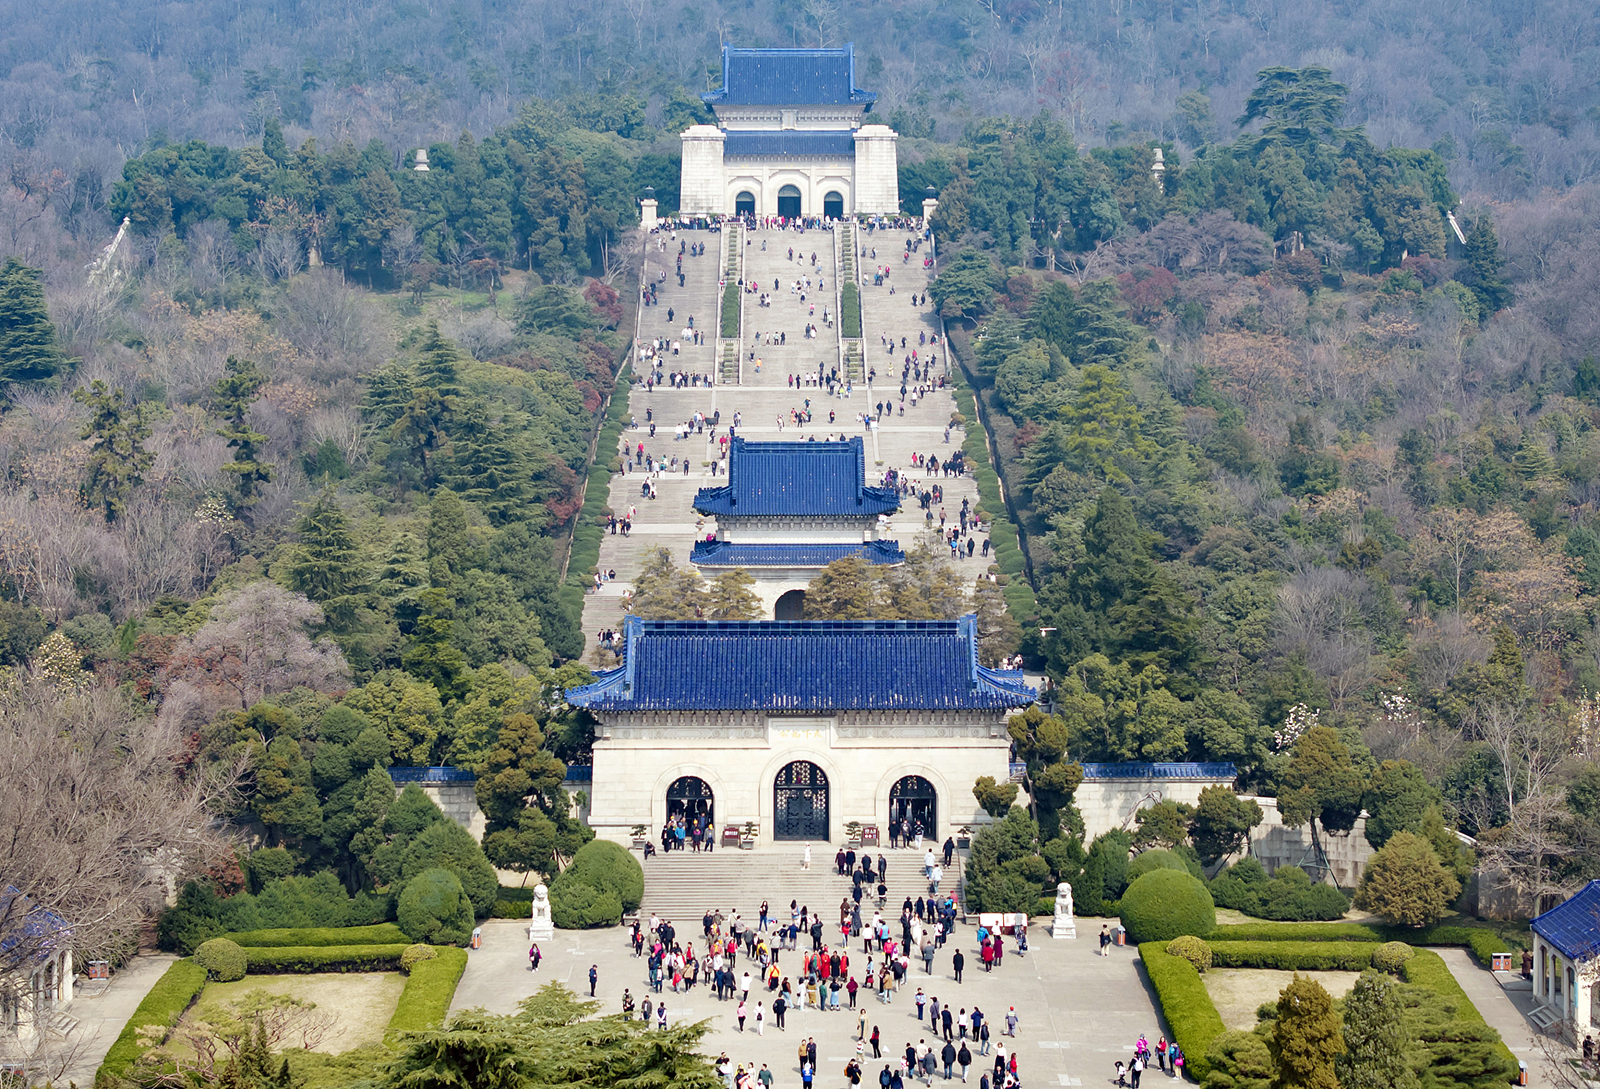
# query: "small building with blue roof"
[788,510]
[798,728]
[36,972]
[791,139]
[1566,963]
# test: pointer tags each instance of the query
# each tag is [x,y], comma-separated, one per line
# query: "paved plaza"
[1079,1012]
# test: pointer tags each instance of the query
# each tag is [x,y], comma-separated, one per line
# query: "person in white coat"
[805,859]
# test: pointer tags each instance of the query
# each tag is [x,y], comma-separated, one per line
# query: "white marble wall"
[631,775]
[877,171]
[703,180]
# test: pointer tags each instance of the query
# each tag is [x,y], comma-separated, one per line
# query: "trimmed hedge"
[1190,1013]
[173,994]
[380,934]
[1294,956]
[1428,969]
[850,311]
[602,882]
[301,959]
[1165,904]
[1004,533]
[588,528]
[1483,942]
[730,311]
[512,909]
[428,991]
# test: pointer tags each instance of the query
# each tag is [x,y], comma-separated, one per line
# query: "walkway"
[102,1008]
[1505,1009]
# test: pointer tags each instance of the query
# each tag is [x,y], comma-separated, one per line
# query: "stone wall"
[1110,803]
[459,801]
[877,171]
[1274,844]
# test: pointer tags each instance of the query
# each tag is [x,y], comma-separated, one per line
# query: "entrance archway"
[914,801]
[833,205]
[800,802]
[745,204]
[789,202]
[791,606]
[690,797]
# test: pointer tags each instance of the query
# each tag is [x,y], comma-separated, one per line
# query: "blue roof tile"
[802,143]
[1180,770]
[797,480]
[32,933]
[789,77]
[801,666]
[737,554]
[432,775]
[1574,927]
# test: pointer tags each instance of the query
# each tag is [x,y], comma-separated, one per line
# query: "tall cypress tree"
[28,348]
[1484,264]
[1375,1038]
[117,457]
[327,566]
[231,399]
[1305,1037]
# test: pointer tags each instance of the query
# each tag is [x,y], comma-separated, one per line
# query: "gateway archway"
[791,606]
[789,202]
[833,205]
[745,204]
[914,801]
[800,802]
[690,797]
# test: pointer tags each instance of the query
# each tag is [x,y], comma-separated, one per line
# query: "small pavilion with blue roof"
[789,509]
[791,140]
[1566,960]
[36,971]
[797,727]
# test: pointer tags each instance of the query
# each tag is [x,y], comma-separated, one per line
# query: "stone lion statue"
[1064,901]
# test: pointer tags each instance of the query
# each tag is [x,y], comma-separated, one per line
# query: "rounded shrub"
[1389,956]
[1192,949]
[434,909]
[584,907]
[223,960]
[605,867]
[415,955]
[1158,859]
[1166,904]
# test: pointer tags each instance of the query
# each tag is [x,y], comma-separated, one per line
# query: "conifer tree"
[28,348]
[117,457]
[1375,1038]
[729,597]
[231,399]
[1306,1037]
[1482,275]
[327,566]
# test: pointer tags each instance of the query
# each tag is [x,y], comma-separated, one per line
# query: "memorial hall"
[797,727]
[791,140]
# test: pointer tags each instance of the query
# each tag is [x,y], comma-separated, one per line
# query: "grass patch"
[165,1005]
[1293,956]
[1483,941]
[363,1002]
[428,991]
[1239,992]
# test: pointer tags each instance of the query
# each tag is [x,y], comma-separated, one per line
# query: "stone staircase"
[729,371]
[851,349]
[680,886]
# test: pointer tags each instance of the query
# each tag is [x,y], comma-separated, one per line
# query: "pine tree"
[1406,883]
[28,348]
[117,457]
[1375,1038]
[1482,275]
[437,365]
[451,549]
[231,399]
[730,597]
[327,566]
[664,591]
[1306,1037]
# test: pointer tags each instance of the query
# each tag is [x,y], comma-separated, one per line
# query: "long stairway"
[682,886]
[778,261]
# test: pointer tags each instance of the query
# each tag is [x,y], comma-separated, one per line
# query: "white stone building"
[791,140]
[788,510]
[1566,965]
[36,975]
[797,727]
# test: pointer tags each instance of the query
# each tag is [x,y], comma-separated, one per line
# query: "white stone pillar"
[647,215]
[703,182]
[928,206]
[877,174]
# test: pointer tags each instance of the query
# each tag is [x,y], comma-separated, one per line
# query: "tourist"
[534,957]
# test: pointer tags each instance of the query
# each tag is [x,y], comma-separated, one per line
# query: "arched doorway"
[745,204]
[833,205]
[800,802]
[789,202]
[791,606]
[690,797]
[914,800]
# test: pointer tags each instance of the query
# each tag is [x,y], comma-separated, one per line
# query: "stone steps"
[682,885]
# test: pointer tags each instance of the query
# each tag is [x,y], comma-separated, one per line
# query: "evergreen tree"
[117,457]
[28,348]
[1406,884]
[438,364]
[1306,1037]
[451,548]
[730,597]
[1375,1038]
[665,591]
[327,566]
[1397,798]
[1299,107]
[1482,275]
[1321,783]
[231,399]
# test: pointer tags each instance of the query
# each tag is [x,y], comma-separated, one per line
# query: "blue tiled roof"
[32,933]
[432,775]
[824,145]
[798,480]
[1187,770]
[789,77]
[736,554]
[1574,927]
[801,666]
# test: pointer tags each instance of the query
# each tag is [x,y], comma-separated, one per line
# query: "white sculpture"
[1063,925]
[542,927]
